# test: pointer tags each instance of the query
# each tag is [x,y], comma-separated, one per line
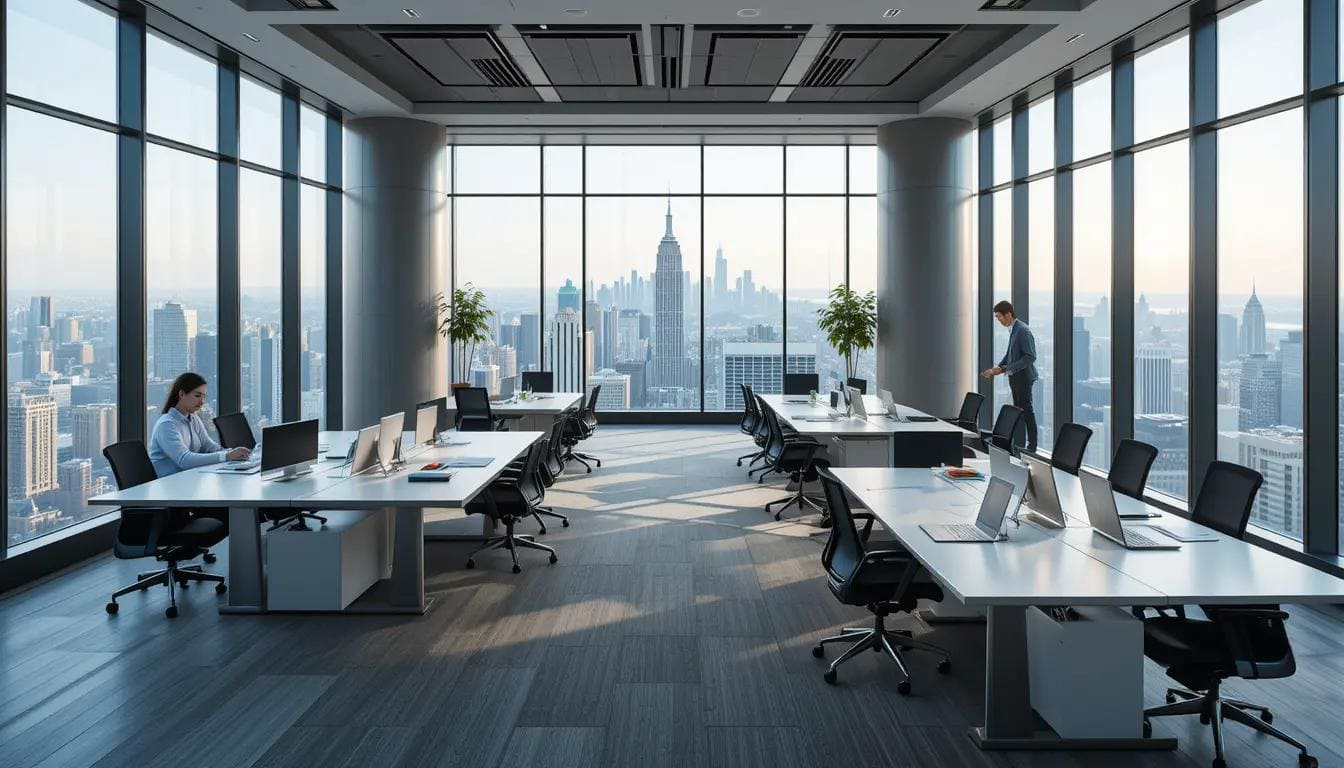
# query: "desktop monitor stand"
[292,471]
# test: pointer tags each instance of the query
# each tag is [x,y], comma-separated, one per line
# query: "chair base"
[799,498]
[537,513]
[171,577]
[300,521]
[511,541]
[1212,708]
[882,640]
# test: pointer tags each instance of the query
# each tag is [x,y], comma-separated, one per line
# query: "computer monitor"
[800,383]
[441,403]
[856,400]
[364,451]
[1001,465]
[427,425]
[389,439]
[289,448]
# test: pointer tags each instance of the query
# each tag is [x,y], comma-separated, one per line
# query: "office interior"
[645,506]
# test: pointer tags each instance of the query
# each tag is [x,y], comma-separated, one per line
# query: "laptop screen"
[857,400]
[994,507]
[1001,465]
[1101,511]
[1043,489]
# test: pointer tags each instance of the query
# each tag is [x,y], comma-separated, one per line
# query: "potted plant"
[464,323]
[850,324]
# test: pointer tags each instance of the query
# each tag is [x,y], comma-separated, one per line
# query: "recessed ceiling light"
[252,37]
[577,11]
[411,12]
[887,14]
[749,13]
[1075,38]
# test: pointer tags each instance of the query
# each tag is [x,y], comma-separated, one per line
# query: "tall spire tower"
[670,364]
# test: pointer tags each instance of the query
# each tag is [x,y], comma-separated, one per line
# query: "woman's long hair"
[183,383]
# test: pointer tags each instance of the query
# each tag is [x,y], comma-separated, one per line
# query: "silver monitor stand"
[291,472]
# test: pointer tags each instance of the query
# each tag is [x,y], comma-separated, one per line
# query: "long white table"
[537,412]
[329,486]
[1042,566]
[876,440]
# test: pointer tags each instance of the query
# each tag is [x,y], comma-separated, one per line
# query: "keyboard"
[1134,538]
[963,532]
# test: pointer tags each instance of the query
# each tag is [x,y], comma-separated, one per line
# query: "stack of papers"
[468,461]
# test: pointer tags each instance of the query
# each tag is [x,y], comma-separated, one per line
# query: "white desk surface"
[852,426]
[539,404]
[1038,565]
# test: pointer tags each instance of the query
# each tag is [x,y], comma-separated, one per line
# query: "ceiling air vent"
[1003,5]
[827,71]
[499,73]
[312,5]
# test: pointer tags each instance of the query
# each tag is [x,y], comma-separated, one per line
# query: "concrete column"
[925,285]
[396,263]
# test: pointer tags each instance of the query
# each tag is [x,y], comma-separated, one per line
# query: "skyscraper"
[1101,320]
[265,370]
[1152,379]
[174,328]
[205,356]
[93,427]
[628,337]
[1260,392]
[615,392]
[669,359]
[756,364]
[567,297]
[566,352]
[1227,338]
[1252,341]
[720,275]
[1290,398]
[486,376]
[529,342]
[31,429]
[1082,350]
[41,314]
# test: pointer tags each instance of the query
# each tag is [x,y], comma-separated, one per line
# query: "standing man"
[1019,362]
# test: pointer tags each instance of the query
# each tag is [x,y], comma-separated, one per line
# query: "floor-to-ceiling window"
[1092,308]
[668,275]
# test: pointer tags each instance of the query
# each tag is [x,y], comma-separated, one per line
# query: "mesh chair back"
[539,381]
[130,463]
[1129,468]
[473,406]
[859,384]
[1070,446]
[234,431]
[749,415]
[762,431]
[969,416]
[774,443]
[554,461]
[530,482]
[1005,426]
[844,549]
[1226,497]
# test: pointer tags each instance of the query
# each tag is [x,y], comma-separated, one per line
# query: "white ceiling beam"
[527,63]
[808,51]
[646,53]
[687,34]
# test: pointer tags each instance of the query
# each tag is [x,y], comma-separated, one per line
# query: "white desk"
[328,487]
[878,440]
[1040,566]
[537,412]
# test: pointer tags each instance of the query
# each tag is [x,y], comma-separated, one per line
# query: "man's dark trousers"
[1021,386]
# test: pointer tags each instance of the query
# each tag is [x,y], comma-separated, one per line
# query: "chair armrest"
[867,526]
[1249,612]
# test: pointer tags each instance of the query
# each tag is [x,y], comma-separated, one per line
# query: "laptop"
[248,466]
[999,496]
[1105,518]
[389,439]
[889,404]
[1001,465]
[1044,493]
[856,400]
[365,451]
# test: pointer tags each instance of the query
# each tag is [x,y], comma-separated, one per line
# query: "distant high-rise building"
[174,328]
[205,356]
[486,376]
[508,335]
[615,392]
[266,376]
[756,364]
[1260,392]
[1169,434]
[41,314]
[1152,379]
[1276,453]
[1252,341]
[38,356]
[1227,338]
[567,298]
[1101,319]
[595,323]
[507,360]
[669,358]
[1290,397]
[74,478]
[1082,350]
[628,336]
[65,330]
[566,352]
[92,428]
[638,371]
[720,275]
[529,342]
[1143,317]
[31,431]
[610,338]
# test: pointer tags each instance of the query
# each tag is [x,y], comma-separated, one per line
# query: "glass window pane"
[1259,54]
[647,262]
[1092,308]
[259,123]
[1003,285]
[564,297]
[181,99]
[493,170]
[63,53]
[744,336]
[863,264]
[862,170]
[181,235]
[1161,311]
[1041,136]
[313,304]
[1041,301]
[815,254]
[62,320]
[744,169]
[1260,286]
[312,143]
[1003,151]
[563,172]
[259,275]
[816,170]
[1092,117]
[498,250]
[1162,89]
[648,170]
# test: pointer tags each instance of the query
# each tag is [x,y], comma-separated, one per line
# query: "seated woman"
[180,441]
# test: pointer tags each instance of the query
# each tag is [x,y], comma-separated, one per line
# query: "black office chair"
[773,435]
[760,433]
[969,416]
[859,384]
[1005,428]
[473,410]
[1226,497]
[172,536]
[546,477]
[234,431]
[1070,445]
[580,427]
[538,381]
[1130,467]
[507,500]
[800,459]
[884,581]
[750,424]
[553,463]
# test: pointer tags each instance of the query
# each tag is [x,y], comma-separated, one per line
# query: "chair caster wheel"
[1147,729]
[209,557]
[903,688]
[818,652]
[589,470]
[739,462]
[112,608]
[554,559]
[221,588]
[542,532]
[564,523]
[1307,761]
[471,563]
[1204,718]
[830,676]
[1267,717]
[877,648]
[1219,762]
[184,584]
[944,667]
[517,569]
[778,516]
[1171,698]
[171,612]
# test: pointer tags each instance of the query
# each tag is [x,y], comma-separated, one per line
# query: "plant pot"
[460,385]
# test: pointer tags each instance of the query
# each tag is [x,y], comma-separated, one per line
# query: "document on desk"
[457,441]
[468,461]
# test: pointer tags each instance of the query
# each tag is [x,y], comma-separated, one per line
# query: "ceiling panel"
[586,56]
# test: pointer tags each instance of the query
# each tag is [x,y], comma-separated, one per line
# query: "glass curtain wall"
[666,275]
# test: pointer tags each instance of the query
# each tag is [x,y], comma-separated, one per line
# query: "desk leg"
[408,560]
[247,583]
[1010,722]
